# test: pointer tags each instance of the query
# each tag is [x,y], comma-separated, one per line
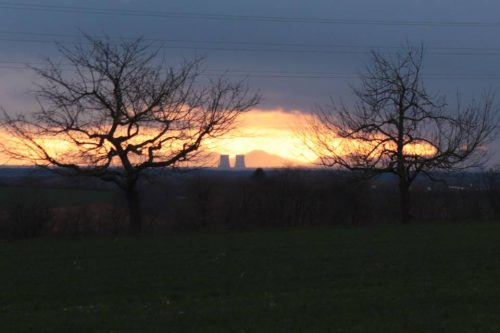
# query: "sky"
[297,54]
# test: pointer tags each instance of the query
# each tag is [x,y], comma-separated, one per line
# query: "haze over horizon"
[297,55]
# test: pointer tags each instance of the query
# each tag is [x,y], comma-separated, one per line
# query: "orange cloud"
[271,131]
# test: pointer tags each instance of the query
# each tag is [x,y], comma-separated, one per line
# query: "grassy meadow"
[416,278]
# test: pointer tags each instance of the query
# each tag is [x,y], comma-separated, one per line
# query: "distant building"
[224,162]
[240,162]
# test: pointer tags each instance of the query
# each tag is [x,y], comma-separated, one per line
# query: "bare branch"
[122,110]
[396,126]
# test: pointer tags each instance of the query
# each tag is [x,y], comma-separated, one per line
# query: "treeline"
[281,198]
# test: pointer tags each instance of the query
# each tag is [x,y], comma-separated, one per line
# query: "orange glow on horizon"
[271,131]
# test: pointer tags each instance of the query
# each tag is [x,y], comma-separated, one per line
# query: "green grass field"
[418,278]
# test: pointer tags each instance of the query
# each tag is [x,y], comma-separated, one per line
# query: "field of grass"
[418,278]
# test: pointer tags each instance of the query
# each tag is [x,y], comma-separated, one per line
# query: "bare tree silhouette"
[396,126]
[119,110]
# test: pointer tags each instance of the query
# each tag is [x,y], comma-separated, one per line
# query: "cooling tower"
[240,162]
[224,162]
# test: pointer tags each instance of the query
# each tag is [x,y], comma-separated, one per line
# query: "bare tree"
[117,110]
[396,126]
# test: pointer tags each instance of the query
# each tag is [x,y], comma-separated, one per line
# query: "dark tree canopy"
[121,110]
[397,126]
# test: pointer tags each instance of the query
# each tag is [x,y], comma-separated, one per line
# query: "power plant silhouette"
[239,163]
[224,162]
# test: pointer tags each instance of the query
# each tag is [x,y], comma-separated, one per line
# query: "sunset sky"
[296,54]
[257,131]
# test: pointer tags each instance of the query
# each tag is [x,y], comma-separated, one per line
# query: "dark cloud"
[436,23]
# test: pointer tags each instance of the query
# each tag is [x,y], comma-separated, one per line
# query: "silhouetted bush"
[25,215]
[297,197]
[264,198]
[89,219]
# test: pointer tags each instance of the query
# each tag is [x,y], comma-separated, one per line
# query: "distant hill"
[259,158]
[256,159]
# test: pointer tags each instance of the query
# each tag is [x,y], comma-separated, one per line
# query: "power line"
[472,52]
[232,42]
[276,74]
[239,18]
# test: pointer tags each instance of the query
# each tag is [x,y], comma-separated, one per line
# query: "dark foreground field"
[368,279]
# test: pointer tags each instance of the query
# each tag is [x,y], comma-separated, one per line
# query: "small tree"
[397,127]
[116,110]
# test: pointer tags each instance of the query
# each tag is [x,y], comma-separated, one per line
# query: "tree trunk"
[134,210]
[404,202]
